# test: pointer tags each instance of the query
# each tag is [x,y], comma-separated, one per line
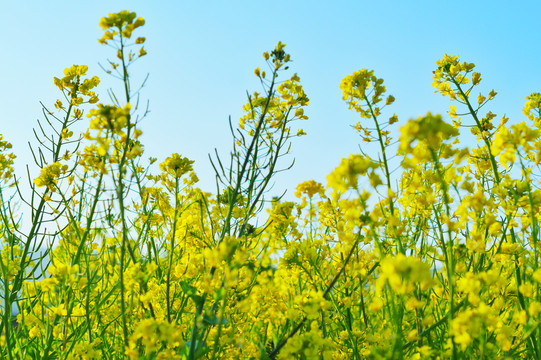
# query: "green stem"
[385,167]
[120,195]
[173,235]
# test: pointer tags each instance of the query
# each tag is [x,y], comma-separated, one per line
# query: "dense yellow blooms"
[6,160]
[310,188]
[346,175]
[49,175]
[425,250]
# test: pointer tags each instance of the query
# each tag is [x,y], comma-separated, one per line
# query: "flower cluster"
[6,160]
[75,87]
[125,22]
[363,86]
[310,188]
[118,29]
[49,175]
[403,274]
[434,258]
[346,175]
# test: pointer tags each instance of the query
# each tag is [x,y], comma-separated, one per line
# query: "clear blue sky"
[201,57]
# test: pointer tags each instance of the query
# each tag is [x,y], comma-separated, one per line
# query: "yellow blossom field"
[125,257]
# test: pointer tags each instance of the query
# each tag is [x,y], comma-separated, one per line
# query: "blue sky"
[201,57]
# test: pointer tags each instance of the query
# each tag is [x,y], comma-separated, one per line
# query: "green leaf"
[220,294]
[213,320]
[191,292]
[201,349]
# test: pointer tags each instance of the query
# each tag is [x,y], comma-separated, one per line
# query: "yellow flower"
[6,159]
[177,165]
[526,289]
[534,309]
[345,176]
[403,272]
[481,99]
[532,105]
[537,275]
[49,175]
[355,86]
[430,129]
[310,188]
[75,86]
[35,331]
[476,78]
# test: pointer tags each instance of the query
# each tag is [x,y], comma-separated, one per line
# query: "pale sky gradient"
[201,57]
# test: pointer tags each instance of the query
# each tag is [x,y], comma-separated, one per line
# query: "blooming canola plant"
[440,261]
